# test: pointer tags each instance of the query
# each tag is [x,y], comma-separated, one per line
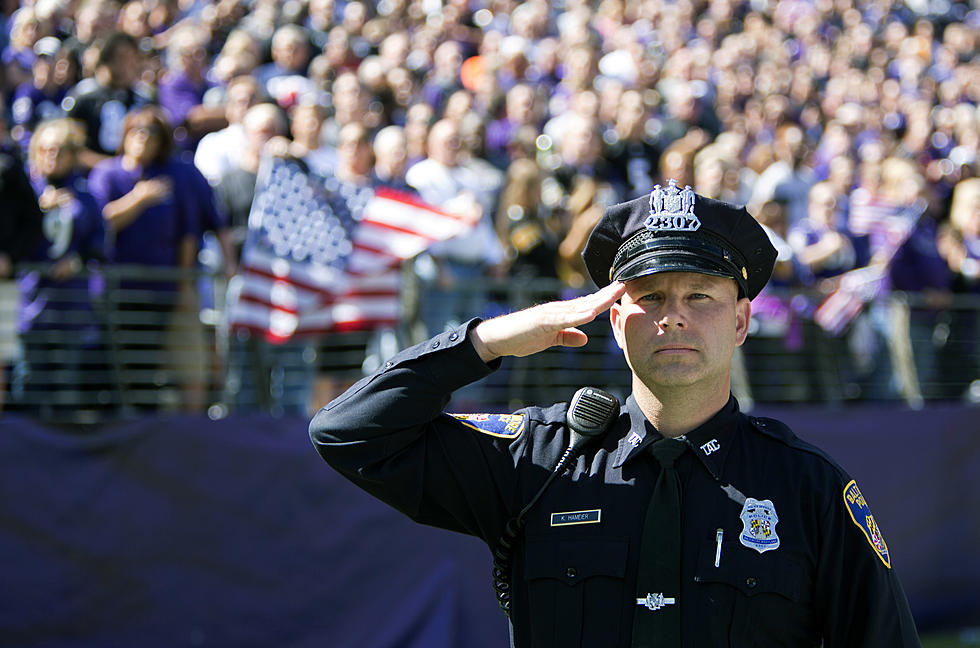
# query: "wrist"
[481,346]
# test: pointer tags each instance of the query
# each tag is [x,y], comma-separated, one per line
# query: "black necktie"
[657,619]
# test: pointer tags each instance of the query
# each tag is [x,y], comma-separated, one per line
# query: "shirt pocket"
[567,577]
[756,599]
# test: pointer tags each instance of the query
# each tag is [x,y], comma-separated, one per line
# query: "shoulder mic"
[590,414]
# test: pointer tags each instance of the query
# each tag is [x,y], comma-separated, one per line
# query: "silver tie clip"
[654,602]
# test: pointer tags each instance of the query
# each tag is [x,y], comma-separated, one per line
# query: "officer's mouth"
[674,349]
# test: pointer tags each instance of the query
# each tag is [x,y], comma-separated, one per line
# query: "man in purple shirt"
[182,88]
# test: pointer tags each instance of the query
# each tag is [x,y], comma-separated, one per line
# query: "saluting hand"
[540,327]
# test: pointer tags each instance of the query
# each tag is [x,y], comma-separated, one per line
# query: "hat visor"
[657,261]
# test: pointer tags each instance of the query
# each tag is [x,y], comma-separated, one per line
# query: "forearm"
[121,212]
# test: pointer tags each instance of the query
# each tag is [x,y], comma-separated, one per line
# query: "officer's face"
[679,329]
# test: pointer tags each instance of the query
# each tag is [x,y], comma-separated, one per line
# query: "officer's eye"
[698,296]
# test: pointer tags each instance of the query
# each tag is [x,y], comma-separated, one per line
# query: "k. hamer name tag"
[576,517]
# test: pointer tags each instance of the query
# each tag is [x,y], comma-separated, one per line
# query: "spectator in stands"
[519,110]
[787,178]
[321,17]
[418,119]
[284,79]
[102,102]
[55,70]
[444,181]
[820,242]
[390,158]
[959,245]
[235,187]
[631,146]
[18,55]
[579,152]
[183,86]
[152,220]
[93,21]
[350,105]
[220,151]
[686,111]
[63,368]
[305,125]
[444,79]
[524,224]
[239,57]
[716,174]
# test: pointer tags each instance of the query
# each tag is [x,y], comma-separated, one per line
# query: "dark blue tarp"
[188,532]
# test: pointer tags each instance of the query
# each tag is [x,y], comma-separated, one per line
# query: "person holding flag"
[322,259]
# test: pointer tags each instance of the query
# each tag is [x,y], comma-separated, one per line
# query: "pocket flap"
[753,573]
[575,560]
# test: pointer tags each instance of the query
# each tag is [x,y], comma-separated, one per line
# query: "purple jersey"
[154,237]
[75,228]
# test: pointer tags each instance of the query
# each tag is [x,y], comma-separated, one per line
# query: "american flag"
[889,227]
[322,255]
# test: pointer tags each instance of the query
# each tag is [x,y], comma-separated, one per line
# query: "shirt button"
[435,344]
[389,364]
[751,582]
[571,572]
[453,336]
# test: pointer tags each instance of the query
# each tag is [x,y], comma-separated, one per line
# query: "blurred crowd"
[850,129]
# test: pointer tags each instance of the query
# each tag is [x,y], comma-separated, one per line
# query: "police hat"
[676,230]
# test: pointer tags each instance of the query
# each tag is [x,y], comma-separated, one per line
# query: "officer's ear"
[743,313]
[616,319]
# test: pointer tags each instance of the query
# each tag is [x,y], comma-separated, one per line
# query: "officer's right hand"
[540,327]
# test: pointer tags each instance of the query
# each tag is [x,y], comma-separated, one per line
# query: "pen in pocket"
[718,535]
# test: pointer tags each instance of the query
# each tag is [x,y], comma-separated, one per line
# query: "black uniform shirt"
[574,572]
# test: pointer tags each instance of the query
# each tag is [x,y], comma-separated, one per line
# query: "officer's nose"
[672,316]
[668,322]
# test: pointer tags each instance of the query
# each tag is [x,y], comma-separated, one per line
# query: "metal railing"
[127,341]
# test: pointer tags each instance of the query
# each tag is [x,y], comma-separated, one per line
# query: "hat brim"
[657,261]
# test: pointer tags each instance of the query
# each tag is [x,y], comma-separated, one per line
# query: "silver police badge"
[672,209]
[759,521]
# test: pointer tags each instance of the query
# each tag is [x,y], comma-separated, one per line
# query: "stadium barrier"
[128,340]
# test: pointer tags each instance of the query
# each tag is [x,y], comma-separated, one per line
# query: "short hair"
[289,33]
[262,112]
[111,45]
[389,136]
[244,79]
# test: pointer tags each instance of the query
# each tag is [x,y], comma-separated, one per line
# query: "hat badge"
[672,209]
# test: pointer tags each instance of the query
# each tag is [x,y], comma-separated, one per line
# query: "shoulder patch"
[861,515]
[505,426]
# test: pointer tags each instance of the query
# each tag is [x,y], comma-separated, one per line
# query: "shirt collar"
[710,440]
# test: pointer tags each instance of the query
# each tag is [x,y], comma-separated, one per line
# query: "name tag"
[576,517]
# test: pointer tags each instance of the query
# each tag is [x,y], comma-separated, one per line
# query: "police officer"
[687,523]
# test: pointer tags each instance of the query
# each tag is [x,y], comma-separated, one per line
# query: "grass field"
[965,638]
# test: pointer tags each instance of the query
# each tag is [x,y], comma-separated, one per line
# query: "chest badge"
[759,521]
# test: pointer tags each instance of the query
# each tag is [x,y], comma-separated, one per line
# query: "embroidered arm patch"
[505,426]
[861,515]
